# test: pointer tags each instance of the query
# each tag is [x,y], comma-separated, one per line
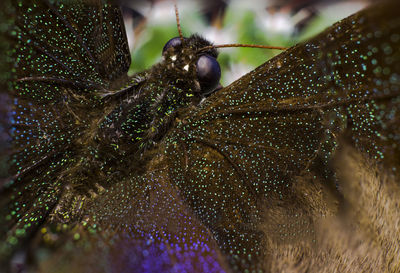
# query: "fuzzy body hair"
[360,235]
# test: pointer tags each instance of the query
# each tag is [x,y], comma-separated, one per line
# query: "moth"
[293,167]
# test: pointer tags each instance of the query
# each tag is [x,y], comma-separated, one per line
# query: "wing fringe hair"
[362,237]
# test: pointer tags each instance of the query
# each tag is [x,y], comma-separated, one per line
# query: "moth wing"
[61,55]
[138,224]
[244,147]
[65,53]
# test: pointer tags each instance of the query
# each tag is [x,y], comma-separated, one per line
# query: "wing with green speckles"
[65,53]
[252,140]
[60,55]
[236,181]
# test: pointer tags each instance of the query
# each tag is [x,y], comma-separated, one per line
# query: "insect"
[159,173]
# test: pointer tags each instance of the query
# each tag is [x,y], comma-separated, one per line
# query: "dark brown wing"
[62,54]
[66,53]
[139,224]
[223,164]
[249,141]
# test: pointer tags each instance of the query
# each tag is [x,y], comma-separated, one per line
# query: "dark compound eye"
[208,73]
[172,43]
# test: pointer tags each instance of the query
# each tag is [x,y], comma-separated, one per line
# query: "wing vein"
[238,170]
[77,35]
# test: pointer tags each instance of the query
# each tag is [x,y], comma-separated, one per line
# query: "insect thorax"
[134,124]
[144,117]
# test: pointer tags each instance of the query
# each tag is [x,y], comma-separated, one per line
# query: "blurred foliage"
[237,25]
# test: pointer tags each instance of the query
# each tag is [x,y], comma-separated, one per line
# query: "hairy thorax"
[133,121]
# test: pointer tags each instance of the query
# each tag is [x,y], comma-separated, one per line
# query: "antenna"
[178,23]
[243,45]
[219,46]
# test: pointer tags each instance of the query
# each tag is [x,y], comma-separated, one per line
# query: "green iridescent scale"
[58,66]
[272,125]
[111,173]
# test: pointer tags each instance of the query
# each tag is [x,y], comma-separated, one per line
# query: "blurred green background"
[150,24]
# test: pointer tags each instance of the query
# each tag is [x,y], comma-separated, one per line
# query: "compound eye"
[172,43]
[208,73]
